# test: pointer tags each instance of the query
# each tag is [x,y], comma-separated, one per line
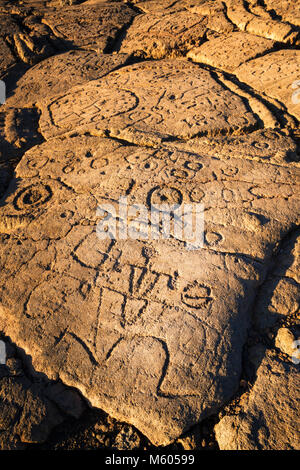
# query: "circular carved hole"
[32,196]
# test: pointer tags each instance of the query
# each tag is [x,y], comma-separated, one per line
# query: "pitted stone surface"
[218,52]
[266,415]
[278,300]
[269,418]
[139,303]
[286,10]
[40,82]
[264,145]
[164,35]
[31,407]
[6,57]
[274,75]
[285,342]
[26,416]
[169,98]
[157,334]
[264,26]
[23,40]
[153,6]
[8,28]
[89,25]
[215,12]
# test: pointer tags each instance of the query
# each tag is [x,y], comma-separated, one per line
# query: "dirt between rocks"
[144,343]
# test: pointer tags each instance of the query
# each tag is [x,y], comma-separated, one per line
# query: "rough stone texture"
[286,10]
[152,6]
[40,82]
[214,12]
[171,29]
[161,336]
[135,297]
[18,132]
[164,35]
[279,297]
[126,439]
[89,25]
[27,415]
[274,75]
[289,259]
[285,342]
[218,52]
[282,298]
[24,40]
[266,416]
[260,26]
[6,57]
[8,28]
[269,419]
[217,20]
[262,145]
[168,106]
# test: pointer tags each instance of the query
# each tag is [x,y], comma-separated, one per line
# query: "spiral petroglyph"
[121,122]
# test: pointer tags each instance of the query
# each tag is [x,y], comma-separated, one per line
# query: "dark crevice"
[273,14]
[267,101]
[225,11]
[116,43]
[33,375]
[254,337]
[204,431]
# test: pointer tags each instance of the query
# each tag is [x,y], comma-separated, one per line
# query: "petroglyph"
[89,25]
[274,76]
[192,103]
[164,35]
[140,296]
[120,120]
[40,82]
[218,52]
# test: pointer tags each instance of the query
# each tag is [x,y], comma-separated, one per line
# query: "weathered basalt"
[115,105]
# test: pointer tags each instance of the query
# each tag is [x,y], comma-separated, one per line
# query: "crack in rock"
[185,103]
